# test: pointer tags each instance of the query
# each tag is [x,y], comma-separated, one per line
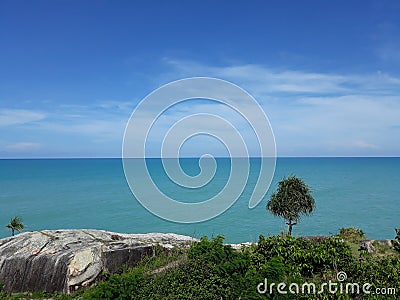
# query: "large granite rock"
[65,260]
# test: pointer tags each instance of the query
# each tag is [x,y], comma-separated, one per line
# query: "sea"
[93,193]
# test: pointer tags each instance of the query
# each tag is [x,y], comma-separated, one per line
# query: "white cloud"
[114,105]
[9,117]
[319,113]
[365,145]
[311,113]
[99,120]
[22,147]
[263,80]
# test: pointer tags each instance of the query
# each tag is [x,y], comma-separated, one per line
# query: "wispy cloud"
[22,147]
[10,117]
[311,113]
[114,105]
[264,80]
[318,113]
[95,122]
[365,145]
[64,130]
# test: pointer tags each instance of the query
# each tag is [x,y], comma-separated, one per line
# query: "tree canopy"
[15,224]
[291,200]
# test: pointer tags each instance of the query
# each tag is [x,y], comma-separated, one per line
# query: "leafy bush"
[305,258]
[352,234]
[223,258]
[118,286]
[396,244]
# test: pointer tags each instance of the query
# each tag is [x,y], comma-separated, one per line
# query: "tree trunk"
[12,231]
[290,224]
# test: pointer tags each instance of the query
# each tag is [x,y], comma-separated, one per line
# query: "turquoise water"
[93,193]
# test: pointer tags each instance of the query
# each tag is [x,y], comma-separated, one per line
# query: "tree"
[15,224]
[292,200]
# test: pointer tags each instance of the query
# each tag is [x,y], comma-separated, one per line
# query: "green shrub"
[213,270]
[117,286]
[352,234]
[396,243]
[304,258]
[222,258]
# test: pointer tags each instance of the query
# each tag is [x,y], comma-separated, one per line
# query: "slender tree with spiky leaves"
[15,224]
[291,201]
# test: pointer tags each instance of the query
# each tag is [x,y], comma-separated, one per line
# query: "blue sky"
[326,73]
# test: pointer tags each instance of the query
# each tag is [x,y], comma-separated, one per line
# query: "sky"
[326,73]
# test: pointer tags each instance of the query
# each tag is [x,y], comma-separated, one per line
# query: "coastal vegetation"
[15,225]
[397,240]
[291,201]
[210,269]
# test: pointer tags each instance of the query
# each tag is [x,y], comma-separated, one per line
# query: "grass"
[354,236]
[383,250]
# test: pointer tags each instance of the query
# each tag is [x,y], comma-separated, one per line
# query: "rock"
[242,245]
[66,260]
[367,245]
[387,243]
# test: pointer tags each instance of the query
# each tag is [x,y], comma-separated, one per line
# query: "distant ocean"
[93,193]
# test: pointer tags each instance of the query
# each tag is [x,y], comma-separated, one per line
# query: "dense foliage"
[213,270]
[397,240]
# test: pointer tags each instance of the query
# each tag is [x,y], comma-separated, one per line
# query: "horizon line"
[158,157]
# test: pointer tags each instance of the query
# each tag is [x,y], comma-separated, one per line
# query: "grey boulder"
[66,260]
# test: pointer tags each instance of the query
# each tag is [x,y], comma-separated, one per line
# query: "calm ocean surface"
[93,193]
